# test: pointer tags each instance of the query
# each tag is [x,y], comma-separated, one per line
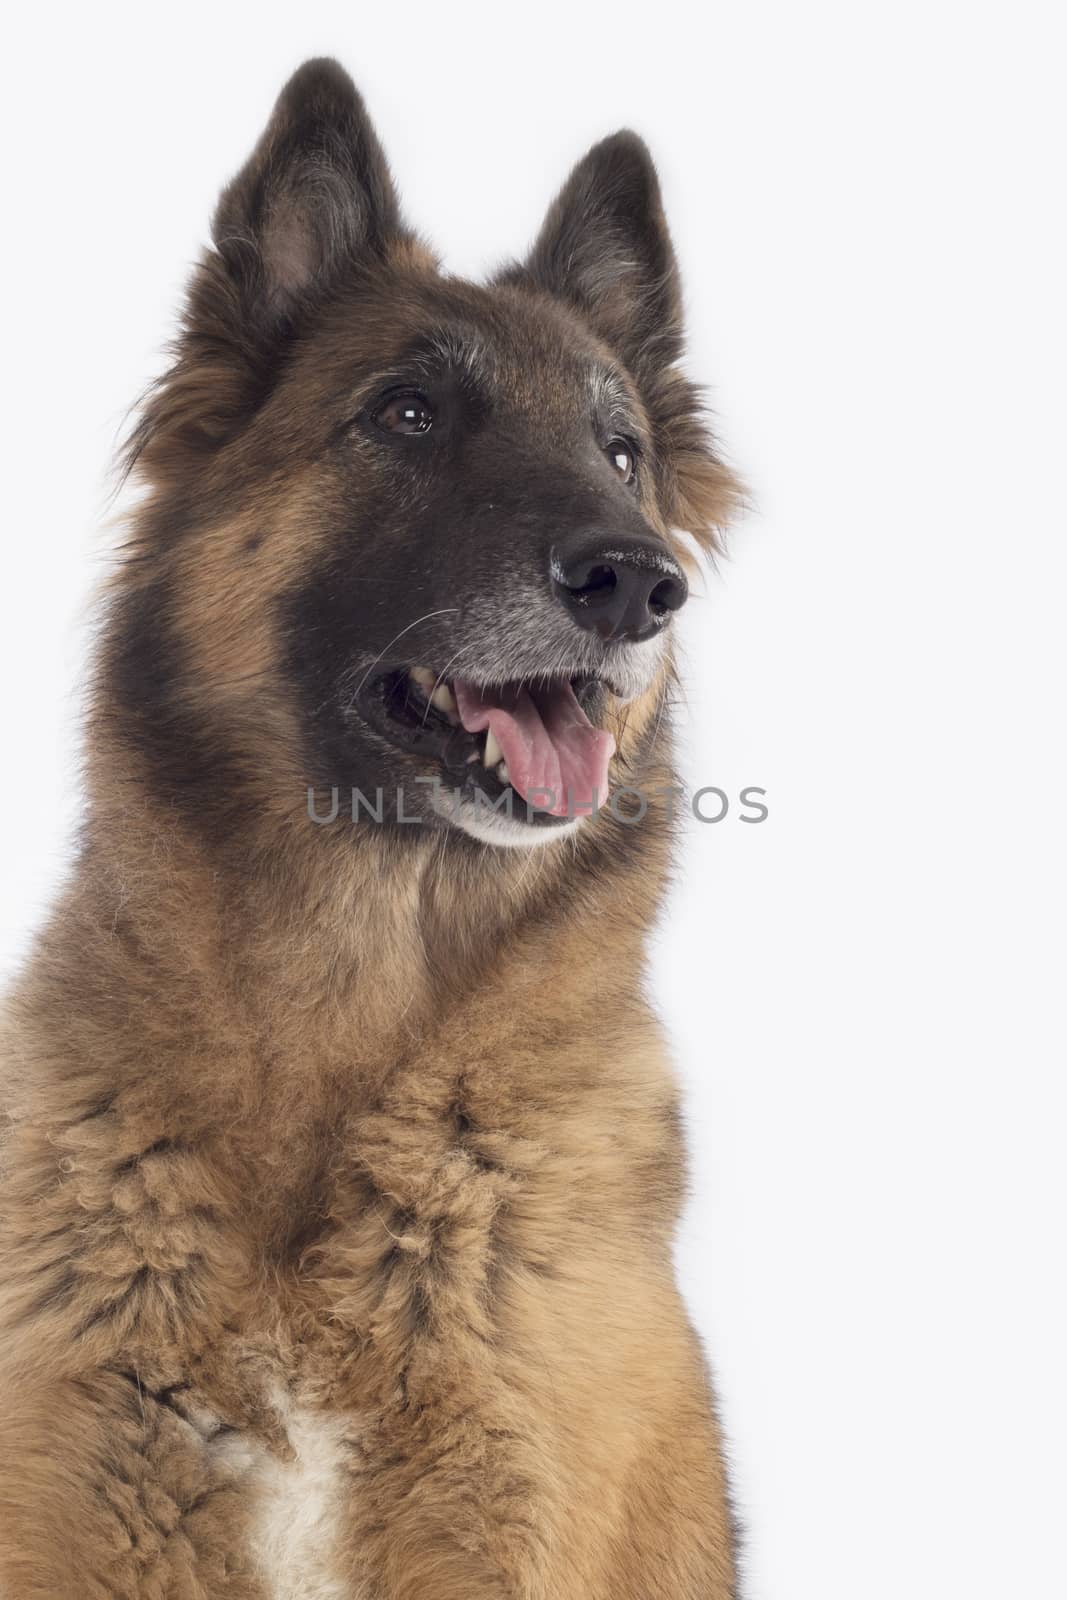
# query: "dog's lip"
[428,699]
[415,711]
[582,677]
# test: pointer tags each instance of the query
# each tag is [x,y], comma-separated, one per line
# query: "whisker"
[437,685]
[443,612]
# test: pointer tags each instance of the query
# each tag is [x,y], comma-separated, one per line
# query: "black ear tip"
[626,149]
[623,165]
[629,146]
[322,81]
[320,72]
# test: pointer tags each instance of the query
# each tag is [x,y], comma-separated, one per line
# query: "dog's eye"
[622,457]
[405,413]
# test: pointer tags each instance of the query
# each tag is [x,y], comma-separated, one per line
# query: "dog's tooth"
[492,753]
[444,700]
[424,679]
[502,773]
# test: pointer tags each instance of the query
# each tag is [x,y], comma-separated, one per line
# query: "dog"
[343,1153]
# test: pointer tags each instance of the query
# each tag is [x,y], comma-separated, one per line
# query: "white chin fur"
[490,827]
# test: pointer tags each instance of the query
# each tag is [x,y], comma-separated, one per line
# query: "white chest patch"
[298,1513]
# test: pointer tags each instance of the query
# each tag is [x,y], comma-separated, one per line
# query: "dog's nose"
[620,590]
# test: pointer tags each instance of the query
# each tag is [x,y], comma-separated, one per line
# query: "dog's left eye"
[405,413]
[622,457]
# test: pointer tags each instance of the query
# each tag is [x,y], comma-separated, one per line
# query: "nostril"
[668,595]
[598,580]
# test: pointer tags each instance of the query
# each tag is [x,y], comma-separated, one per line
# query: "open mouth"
[536,743]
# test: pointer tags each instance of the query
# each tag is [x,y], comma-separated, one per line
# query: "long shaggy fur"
[342,1163]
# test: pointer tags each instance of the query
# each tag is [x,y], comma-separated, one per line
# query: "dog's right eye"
[404,413]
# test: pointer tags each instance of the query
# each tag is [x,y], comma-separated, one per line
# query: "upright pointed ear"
[315,194]
[606,249]
[314,199]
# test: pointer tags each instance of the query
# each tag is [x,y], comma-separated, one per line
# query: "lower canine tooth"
[502,772]
[493,753]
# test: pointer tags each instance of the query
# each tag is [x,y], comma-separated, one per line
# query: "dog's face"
[413,536]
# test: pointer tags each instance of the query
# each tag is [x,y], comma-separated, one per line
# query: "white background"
[868,204]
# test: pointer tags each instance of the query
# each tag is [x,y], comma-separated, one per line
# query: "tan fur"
[341,1173]
[275,1143]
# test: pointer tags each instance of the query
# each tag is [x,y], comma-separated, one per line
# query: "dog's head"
[409,533]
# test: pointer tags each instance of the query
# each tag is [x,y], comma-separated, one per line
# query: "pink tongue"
[556,759]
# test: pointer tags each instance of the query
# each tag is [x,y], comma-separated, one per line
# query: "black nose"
[621,591]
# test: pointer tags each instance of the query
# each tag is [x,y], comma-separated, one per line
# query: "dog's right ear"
[314,200]
[314,196]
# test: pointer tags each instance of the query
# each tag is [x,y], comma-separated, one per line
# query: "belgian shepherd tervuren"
[343,1154]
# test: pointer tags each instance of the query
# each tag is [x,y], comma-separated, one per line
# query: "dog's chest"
[298,1510]
[439,1233]
[292,1485]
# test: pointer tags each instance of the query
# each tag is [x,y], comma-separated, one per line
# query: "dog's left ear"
[606,249]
